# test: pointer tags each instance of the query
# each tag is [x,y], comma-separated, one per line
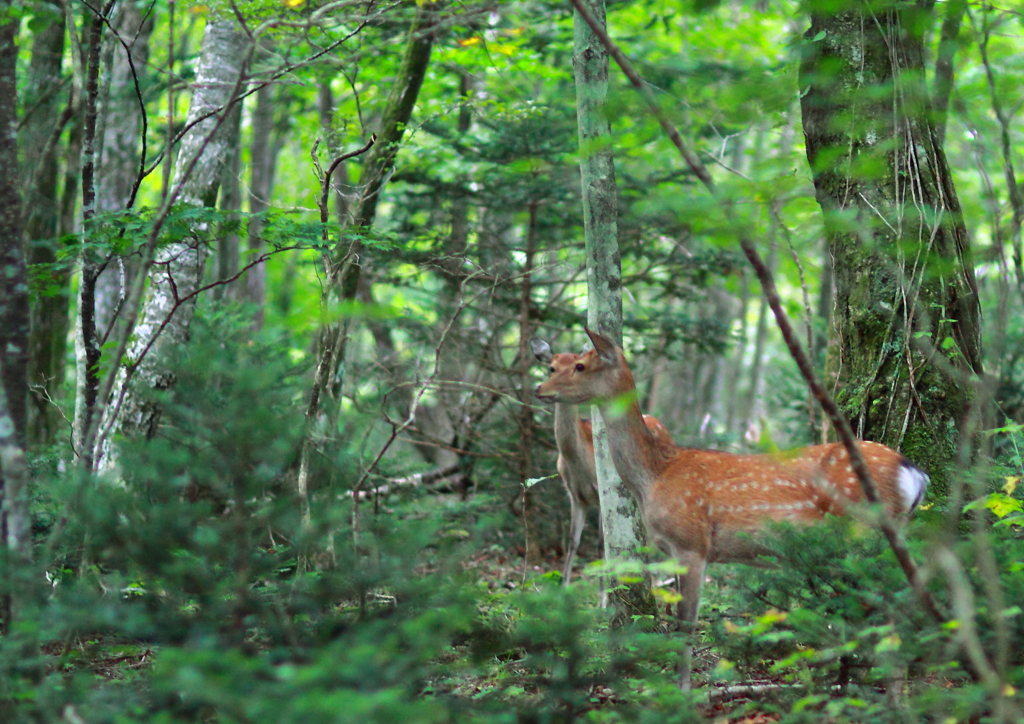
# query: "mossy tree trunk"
[620,515]
[901,253]
[39,173]
[15,519]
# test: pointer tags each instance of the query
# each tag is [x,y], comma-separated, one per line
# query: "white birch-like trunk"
[620,515]
[178,270]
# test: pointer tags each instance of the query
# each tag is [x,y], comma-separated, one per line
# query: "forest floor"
[736,703]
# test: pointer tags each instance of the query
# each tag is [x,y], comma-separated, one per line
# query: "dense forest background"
[269,444]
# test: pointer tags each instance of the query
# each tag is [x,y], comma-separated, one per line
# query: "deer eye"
[552,370]
[580,368]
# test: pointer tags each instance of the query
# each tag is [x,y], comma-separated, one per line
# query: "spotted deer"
[575,440]
[702,506]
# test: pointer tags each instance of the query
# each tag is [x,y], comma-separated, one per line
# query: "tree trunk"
[345,265]
[527,425]
[902,256]
[14,310]
[263,151]
[49,310]
[753,404]
[943,86]
[381,160]
[178,270]
[228,245]
[120,143]
[620,517]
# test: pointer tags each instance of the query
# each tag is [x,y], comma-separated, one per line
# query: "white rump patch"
[912,482]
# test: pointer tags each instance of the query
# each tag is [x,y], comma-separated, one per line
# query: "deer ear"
[604,347]
[541,350]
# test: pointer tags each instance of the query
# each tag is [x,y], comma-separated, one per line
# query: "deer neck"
[569,434]
[638,455]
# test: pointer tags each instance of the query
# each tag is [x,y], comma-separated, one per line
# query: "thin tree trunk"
[752,401]
[345,265]
[620,518]
[733,405]
[1006,146]
[50,310]
[228,252]
[906,267]
[87,341]
[263,152]
[527,426]
[120,144]
[381,160]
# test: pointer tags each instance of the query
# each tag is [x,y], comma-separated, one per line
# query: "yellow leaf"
[504,49]
[1011,484]
[666,596]
[467,42]
[771,616]
[293,3]
[1009,690]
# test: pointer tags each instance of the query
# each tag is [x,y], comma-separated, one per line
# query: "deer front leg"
[578,515]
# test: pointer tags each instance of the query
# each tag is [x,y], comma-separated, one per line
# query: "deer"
[705,506]
[575,440]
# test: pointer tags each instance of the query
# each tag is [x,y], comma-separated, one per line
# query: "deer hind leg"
[689,588]
[578,515]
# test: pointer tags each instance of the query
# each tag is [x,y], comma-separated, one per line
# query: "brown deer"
[575,440]
[702,506]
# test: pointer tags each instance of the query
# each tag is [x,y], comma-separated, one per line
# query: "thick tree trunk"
[14,311]
[902,257]
[620,517]
[49,311]
[178,270]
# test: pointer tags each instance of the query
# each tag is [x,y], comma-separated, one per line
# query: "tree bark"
[228,245]
[49,310]
[14,311]
[120,143]
[263,151]
[527,425]
[620,517]
[902,257]
[178,269]
[943,86]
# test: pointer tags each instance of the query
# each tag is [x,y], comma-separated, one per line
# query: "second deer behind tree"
[575,439]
